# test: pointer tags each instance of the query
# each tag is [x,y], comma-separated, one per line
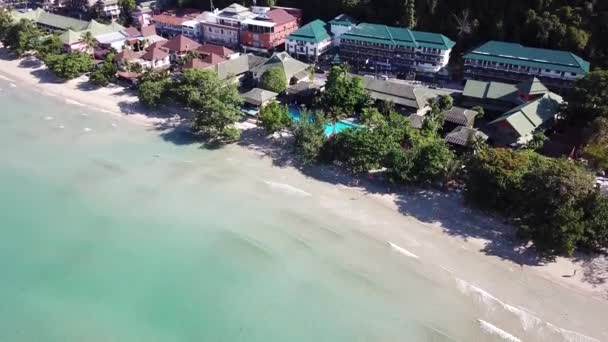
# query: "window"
[547,70]
[572,74]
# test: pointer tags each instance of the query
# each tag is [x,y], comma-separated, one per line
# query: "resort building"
[295,71]
[309,41]
[386,49]
[498,96]
[266,32]
[407,98]
[51,22]
[518,125]
[156,57]
[339,26]
[513,63]
[238,68]
[208,49]
[224,26]
[257,98]
[73,40]
[172,23]
[179,46]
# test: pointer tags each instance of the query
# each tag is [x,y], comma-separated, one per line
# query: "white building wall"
[311,50]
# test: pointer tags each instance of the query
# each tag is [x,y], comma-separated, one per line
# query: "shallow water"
[115,232]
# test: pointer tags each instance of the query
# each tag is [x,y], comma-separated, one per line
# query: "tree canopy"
[343,95]
[274,117]
[274,80]
[69,66]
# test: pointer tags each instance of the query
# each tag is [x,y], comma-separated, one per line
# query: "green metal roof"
[314,32]
[71,37]
[491,91]
[398,36]
[510,53]
[529,116]
[53,20]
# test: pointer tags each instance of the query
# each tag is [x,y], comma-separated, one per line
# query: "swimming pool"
[294,113]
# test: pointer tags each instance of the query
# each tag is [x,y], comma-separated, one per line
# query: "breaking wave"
[402,250]
[495,331]
[287,188]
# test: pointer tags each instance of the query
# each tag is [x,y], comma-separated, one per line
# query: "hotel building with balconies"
[514,63]
[389,49]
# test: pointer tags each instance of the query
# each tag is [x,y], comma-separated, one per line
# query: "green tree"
[274,79]
[538,140]
[50,44]
[69,66]
[480,112]
[309,136]
[89,41]
[588,99]
[22,37]
[105,72]
[216,103]
[153,93]
[126,10]
[274,117]
[343,95]
[445,102]
[6,21]
[409,13]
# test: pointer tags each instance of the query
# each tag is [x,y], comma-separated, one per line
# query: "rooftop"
[343,20]
[291,66]
[53,20]
[398,36]
[316,31]
[181,43]
[529,116]
[516,54]
[258,97]
[215,49]
[397,92]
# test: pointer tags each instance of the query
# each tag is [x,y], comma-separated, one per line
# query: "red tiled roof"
[148,31]
[127,55]
[215,49]
[133,32]
[196,63]
[280,16]
[169,19]
[213,59]
[181,44]
[155,53]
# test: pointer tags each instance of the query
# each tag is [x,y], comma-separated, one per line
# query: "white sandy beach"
[456,238]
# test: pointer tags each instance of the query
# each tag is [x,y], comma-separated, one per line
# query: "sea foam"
[495,331]
[287,188]
[402,250]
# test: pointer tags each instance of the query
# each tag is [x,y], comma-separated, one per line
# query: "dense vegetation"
[274,80]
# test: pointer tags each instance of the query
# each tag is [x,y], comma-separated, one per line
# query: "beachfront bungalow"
[256,99]
[295,71]
[72,39]
[239,68]
[462,137]
[407,98]
[126,57]
[309,41]
[179,46]
[156,57]
[517,126]
[514,63]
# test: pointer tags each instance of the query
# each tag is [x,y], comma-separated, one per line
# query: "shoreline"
[570,273]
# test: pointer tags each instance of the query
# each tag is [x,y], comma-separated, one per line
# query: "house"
[389,49]
[239,68]
[258,97]
[408,98]
[309,41]
[173,23]
[498,96]
[105,8]
[295,71]
[113,40]
[204,62]
[339,26]
[126,57]
[208,49]
[143,13]
[224,26]
[73,39]
[518,124]
[459,116]
[266,32]
[514,63]
[156,57]
[179,46]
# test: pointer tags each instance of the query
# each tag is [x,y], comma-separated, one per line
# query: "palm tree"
[89,41]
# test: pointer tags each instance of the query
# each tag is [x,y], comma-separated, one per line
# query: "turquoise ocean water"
[110,232]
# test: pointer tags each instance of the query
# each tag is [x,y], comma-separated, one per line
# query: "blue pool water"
[294,113]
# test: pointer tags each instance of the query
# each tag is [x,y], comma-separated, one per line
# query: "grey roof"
[258,97]
[529,116]
[464,136]
[397,92]
[491,91]
[532,86]
[291,66]
[302,87]
[460,116]
[236,66]
[416,120]
[56,21]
